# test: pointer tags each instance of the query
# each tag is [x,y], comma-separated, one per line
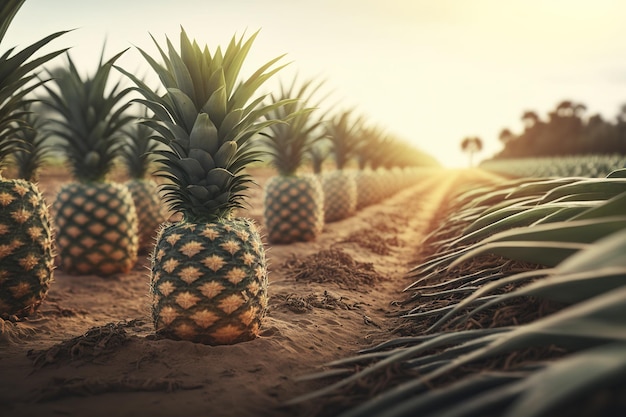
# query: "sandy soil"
[91,349]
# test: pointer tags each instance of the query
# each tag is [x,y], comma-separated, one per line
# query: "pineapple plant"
[138,155]
[95,217]
[368,182]
[26,238]
[339,185]
[208,270]
[293,203]
[381,162]
[26,243]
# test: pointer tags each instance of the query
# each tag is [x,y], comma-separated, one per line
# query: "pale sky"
[429,72]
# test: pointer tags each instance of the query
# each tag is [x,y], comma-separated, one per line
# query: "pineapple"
[138,155]
[26,244]
[368,182]
[340,192]
[208,270]
[95,218]
[293,203]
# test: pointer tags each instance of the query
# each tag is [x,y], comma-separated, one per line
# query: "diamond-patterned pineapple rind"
[368,189]
[209,282]
[340,196]
[96,228]
[293,209]
[26,248]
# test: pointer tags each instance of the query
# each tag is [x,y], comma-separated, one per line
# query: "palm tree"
[530,118]
[471,145]
[506,136]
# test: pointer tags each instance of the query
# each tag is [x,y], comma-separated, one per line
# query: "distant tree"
[530,119]
[565,108]
[506,136]
[471,145]
[565,131]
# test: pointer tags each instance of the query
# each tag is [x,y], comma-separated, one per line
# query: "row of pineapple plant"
[295,208]
[97,219]
[339,185]
[558,240]
[596,166]
[26,240]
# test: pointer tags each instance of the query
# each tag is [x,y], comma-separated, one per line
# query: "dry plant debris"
[371,240]
[97,341]
[82,387]
[334,266]
[14,331]
[326,301]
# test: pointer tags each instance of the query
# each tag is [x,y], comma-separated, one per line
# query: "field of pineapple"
[91,348]
[213,250]
[363,316]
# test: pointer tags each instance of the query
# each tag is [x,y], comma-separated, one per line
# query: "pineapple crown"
[318,153]
[17,79]
[289,143]
[91,118]
[372,141]
[138,153]
[344,137]
[33,148]
[206,118]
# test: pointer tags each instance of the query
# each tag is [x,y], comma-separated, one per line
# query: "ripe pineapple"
[293,203]
[96,219]
[368,184]
[26,242]
[340,195]
[138,155]
[208,271]
[340,192]
[26,245]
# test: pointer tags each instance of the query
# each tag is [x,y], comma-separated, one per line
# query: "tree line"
[565,131]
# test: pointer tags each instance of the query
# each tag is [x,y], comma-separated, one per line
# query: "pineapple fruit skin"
[293,208]
[209,282]
[96,228]
[368,186]
[26,248]
[150,212]
[340,195]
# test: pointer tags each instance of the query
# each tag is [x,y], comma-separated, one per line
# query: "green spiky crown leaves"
[344,136]
[16,79]
[33,149]
[372,141]
[290,143]
[206,118]
[92,117]
[139,151]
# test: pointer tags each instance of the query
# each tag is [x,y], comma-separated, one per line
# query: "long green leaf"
[547,253]
[565,380]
